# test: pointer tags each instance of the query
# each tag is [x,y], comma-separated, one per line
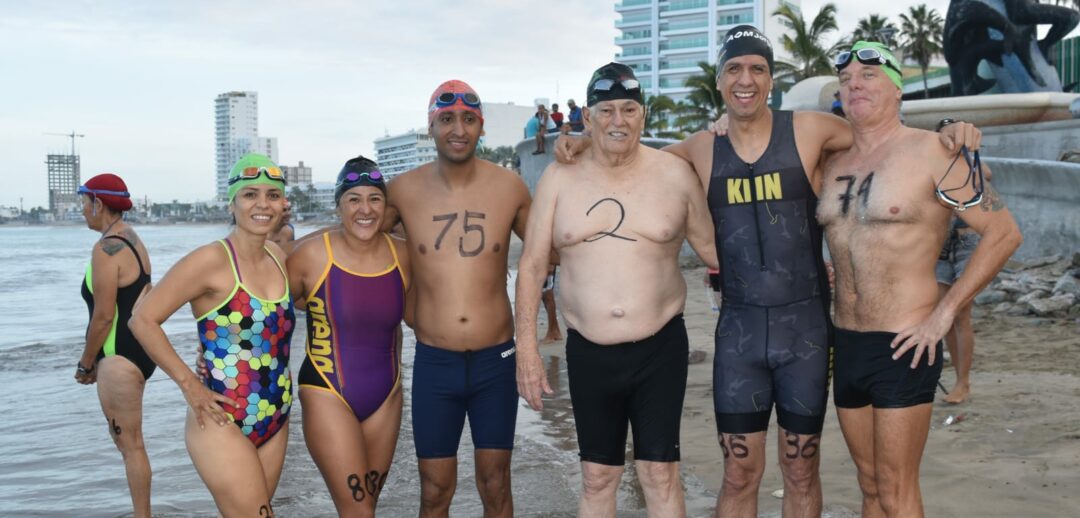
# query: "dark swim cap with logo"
[617,73]
[744,40]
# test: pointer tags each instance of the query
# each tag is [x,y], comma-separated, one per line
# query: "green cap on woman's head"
[892,73]
[254,169]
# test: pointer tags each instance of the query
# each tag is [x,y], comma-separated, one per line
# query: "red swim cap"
[458,89]
[110,189]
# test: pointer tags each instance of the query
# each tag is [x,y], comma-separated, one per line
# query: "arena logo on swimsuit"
[319,346]
[765,187]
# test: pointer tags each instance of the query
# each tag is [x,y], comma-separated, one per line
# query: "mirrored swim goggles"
[974,178]
[866,56]
[605,85]
[86,190]
[450,98]
[251,173]
[351,178]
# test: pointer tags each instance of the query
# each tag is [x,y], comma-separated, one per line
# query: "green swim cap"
[893,72]
[253,169]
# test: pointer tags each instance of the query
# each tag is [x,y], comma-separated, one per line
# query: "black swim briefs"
[866,374]
[638,383]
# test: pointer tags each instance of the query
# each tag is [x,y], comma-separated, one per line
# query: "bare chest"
[461,227]
[646,214]
[864,194]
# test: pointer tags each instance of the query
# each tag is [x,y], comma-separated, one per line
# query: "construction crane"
[71,135]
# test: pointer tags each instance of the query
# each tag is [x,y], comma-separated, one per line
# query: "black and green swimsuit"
[120,341]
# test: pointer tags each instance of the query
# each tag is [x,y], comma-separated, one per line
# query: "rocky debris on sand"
[696,356]
[1044,286]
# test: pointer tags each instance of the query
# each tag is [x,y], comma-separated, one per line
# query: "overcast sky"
[139,78]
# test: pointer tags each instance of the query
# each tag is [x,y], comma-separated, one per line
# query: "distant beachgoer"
[239,293]
[543,121]
[556,115]
[618,219]
[352,283]
[547,297]
[574,117]
[837,108]
[118,274]
[960,339]
[458,213]
[532,126]
[564,129]
[286,232]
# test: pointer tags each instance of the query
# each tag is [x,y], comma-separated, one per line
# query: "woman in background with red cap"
[118,274]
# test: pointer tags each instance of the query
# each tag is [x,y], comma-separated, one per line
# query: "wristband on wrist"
[945,122]
[83,370]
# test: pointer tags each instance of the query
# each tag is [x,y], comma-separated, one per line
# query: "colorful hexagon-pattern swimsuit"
[246,343]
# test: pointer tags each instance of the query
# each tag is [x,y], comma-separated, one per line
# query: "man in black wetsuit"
[774,334]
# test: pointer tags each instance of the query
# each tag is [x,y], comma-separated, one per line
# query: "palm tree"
[874,28]
[808,44]
[703,104]
[659,109]
[502,155]
[921,28]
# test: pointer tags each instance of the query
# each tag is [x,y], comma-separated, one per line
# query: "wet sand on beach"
[1016,452]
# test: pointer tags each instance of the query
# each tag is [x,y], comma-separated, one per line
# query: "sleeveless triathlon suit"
[120,341]
[774,335]
[246,342]
[352,320]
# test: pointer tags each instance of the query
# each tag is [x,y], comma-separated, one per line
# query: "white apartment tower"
[396,154]
[663,40]
[236,124]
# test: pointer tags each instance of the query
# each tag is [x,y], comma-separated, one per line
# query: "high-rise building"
[663,40]
[299,175]
[64,180]
[236,123]
[504,123]
[396,154]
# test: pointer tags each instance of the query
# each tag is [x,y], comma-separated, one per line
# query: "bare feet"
[958,394]
[551,337]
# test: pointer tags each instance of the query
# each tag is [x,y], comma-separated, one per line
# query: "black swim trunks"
[866,374]
[638,383]
[773,336]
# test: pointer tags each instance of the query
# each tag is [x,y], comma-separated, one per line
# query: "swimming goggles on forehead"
[867,56]
[974,178]
[449,98]
[372,176]
[251,173]
[605,85]
[86,190]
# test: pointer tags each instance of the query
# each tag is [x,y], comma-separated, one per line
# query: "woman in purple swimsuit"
[237,426]
[352,281]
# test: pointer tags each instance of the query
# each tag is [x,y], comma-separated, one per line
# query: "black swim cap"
[611,82]
[358,171]
[744,40]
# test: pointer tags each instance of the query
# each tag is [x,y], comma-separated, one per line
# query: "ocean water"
[56,457]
